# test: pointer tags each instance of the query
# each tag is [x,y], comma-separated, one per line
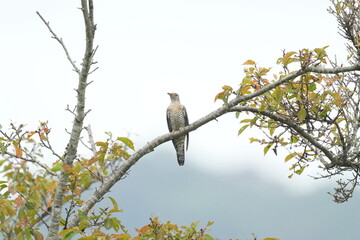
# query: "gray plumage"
[177,119]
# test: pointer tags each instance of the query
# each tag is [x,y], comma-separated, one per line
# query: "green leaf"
[102,144]
[127,142]
[312,87]
[246,120]
[294,139]
[27,233]
[290,156]
[242,129]
[253,121]
[253,140]
[302,114]
[278,94]
[299,171]
[210,223]
[115,223]
[323,113]
[89,238]
[57,167]
[108,223]
[69,233]
[267,148]
[320,52]
[208,237]
[246,80]
[109,134]
[272,130]
[115,205]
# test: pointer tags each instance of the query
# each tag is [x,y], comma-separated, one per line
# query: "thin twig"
[91,139]
[33,160]
[76,69]
[40,216]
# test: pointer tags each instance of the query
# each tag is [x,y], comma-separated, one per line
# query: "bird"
[177,119]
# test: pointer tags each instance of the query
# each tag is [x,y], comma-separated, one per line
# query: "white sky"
[149,48]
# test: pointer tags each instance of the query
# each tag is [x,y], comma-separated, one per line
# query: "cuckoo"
[177,119]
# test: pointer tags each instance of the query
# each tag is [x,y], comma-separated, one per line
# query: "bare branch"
[91,139]
[78,120]
[76,69]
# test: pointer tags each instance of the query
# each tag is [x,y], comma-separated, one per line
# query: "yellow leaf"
[18,151]
[249,62]
[227,88]
[286,58]
[245,89]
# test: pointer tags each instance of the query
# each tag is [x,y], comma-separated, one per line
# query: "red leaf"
[67,168]
[218,96]
[46,130]
[91,161]
[144,229]
[18,201]
[49,203]
[30,134]
[77,191]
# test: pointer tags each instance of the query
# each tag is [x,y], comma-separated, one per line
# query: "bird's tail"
[180,151]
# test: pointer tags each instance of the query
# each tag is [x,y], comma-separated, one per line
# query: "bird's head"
[174,97]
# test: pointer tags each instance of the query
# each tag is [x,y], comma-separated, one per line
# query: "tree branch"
[33,160]
[91,139]
[292,125]
[76,69]
[78,120]
[229,107]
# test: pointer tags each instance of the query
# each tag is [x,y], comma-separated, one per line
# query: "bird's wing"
[168,120]
[186,124]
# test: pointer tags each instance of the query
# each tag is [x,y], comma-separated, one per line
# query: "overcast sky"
[149,48]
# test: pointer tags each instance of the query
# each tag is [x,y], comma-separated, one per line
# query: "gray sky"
[149,48]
